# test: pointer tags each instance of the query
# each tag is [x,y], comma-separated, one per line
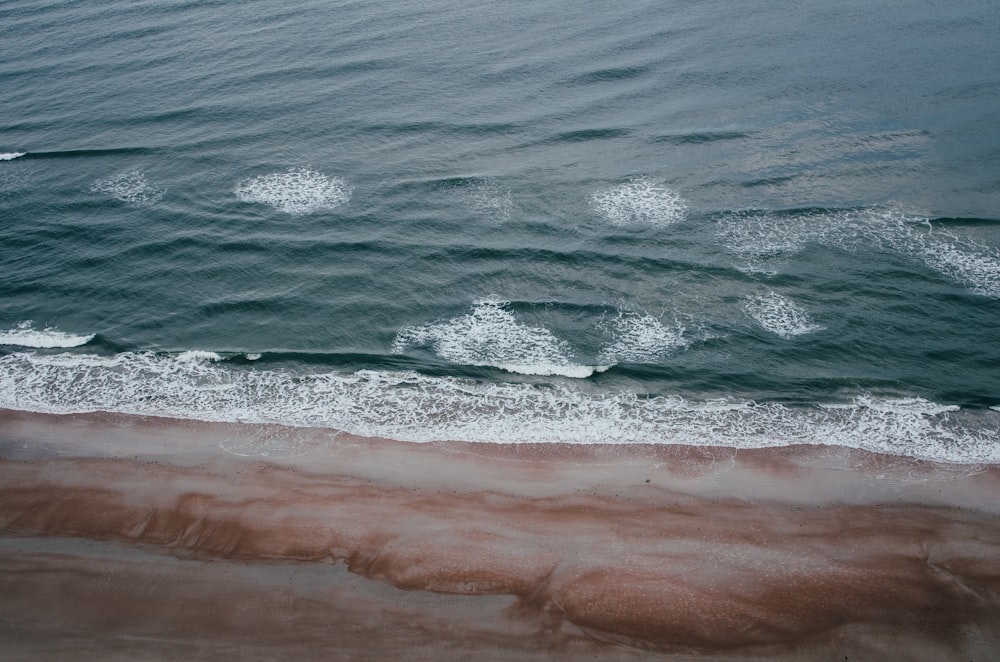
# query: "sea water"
[715,223]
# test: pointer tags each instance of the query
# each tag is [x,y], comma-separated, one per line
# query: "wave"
[87,153]
[779,315]
[26,335]
[640,201]
[411,407]
[130,187]
[10,156]
[295,191]
[490,335]
[762,239]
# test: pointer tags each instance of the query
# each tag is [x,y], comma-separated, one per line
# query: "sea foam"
[491,335]
[295,191]
[10,156]
[26,335]
[639,338]
[130,187]
[640,201]
[762,240]
[779,315]
[489,199]
[417,408]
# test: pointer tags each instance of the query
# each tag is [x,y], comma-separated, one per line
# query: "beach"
[140,536]
[533,330]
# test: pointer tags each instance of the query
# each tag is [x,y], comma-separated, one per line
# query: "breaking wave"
[26,335]
[491,335]
[412,407]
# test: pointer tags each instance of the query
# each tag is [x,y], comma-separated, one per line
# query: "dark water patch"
[701,137]
[344,362]
[92,152]
[584,135]
[609,75]
[442,128]
[769,181]
[961,221]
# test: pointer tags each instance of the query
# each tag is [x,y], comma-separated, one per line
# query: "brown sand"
[129,537]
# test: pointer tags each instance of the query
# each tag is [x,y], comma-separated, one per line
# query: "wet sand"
[123,537]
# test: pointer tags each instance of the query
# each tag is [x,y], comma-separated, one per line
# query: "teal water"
[746,224]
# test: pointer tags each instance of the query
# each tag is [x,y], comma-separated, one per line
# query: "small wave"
[295,191]
[10,156]
[410,407]
[25,335]
[130,187]
[779,315]
[641,201]
[490,335]
[640,338]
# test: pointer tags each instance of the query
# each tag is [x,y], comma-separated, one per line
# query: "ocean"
[747,225]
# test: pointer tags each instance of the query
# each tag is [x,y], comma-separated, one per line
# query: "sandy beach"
[130,537]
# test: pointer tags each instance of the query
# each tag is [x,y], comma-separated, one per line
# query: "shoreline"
[547,551]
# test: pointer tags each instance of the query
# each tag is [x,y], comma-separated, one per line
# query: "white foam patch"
[487,198]
[411,407]
[761,239]
[26,335]
[641,201]
[490,335]
[640,338]
[960,259]
[295,191]
[780,315]
[130,187]
[10,156]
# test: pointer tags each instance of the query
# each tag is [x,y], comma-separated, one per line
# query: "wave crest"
[26,335]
